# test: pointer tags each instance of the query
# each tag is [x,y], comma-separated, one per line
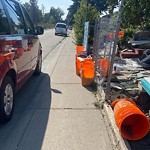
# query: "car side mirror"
[39,30]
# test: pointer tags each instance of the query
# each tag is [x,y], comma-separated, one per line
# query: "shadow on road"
[27,128]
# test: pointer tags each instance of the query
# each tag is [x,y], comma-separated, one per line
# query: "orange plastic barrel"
[103,65]
[131,121]
[78,67]
[87,73]
[87,59]
[79,48]
[78,62]
[80,51]
[118,100]
[83,55]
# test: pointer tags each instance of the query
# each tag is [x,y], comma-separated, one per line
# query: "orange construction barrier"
[103,66]
[87,72]
[131,121]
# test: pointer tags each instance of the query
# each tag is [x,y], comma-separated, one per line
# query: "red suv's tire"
[6,100]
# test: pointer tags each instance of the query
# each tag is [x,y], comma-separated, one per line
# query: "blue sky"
[63,4]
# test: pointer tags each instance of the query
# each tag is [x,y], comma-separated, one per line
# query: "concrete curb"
[118,142]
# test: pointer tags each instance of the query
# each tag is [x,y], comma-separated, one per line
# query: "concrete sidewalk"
[73,122]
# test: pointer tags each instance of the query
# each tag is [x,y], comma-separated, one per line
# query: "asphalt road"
[49,41]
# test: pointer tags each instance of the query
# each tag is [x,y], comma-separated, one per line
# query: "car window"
[29,24]
[4,26]
[16,17]
[61,26]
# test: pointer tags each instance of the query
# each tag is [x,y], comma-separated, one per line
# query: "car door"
[19,33]
[33,40]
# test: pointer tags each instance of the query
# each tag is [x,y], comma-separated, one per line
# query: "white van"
[61,28]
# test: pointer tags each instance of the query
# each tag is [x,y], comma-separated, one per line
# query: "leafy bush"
[81,17]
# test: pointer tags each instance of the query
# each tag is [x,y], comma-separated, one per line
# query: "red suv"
[20,53]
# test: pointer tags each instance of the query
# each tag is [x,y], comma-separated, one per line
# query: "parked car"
[61,28]
[20,53]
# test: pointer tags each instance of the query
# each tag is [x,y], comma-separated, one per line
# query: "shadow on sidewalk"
[92,88]
[27,128]
[56,91]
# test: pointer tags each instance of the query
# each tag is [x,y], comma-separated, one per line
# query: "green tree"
[80,18]
[57,14]
[136,14]
[46,18]
[71,11]
[28,7]
[38,18]
[111,4]
[39,15]
[33,11]
[54,16]
[100,5]
[52,20]
[43,9]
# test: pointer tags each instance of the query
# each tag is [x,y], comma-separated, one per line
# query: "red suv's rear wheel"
[6,99]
